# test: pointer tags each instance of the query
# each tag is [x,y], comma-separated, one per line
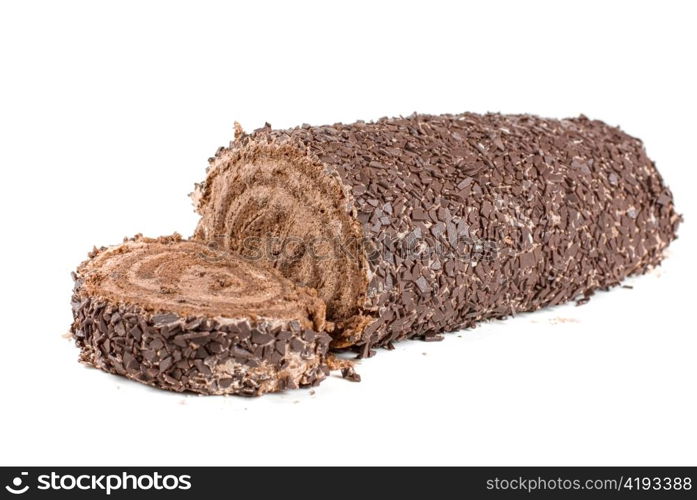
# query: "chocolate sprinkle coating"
[178,315]
[449,220]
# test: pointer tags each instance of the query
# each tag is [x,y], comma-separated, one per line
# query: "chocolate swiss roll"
[420,225]
[178,315]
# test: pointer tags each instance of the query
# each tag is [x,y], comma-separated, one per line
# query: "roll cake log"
[178,315]
[410,227]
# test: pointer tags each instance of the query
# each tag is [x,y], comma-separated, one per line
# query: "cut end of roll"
[273,203]
[179,315]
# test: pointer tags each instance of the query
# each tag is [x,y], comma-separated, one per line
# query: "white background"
[109,111]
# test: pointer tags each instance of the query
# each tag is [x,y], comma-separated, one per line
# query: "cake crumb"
[556,321]
[345,365]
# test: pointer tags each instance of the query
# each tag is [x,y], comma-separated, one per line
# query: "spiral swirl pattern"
[281,208]
[191,278]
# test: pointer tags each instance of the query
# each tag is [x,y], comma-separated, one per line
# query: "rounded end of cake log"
[272,201]
[178,315]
